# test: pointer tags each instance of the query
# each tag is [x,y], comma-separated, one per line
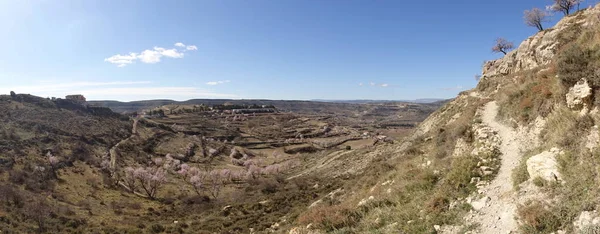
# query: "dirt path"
[499,214]
[113,150]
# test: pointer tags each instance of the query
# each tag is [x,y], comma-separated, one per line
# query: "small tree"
[129,179]
[215,183]
[38,211]
[53,161]
[502,46]
[564,6]
[535,17]
[151,180]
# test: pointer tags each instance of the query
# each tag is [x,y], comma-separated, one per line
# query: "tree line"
[536,17]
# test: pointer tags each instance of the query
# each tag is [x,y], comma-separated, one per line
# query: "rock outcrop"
[539,49]
[545,166]
[579,96]
[587,222]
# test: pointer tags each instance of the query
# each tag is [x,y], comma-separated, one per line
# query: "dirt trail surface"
[113,150]
[499,214]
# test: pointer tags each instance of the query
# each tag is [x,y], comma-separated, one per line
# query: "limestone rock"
[479,204]
[579,96]
[539,49]
[587,222]
[593,139]
[544,165]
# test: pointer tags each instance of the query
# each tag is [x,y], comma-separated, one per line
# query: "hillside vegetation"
[68,167]
[517,154]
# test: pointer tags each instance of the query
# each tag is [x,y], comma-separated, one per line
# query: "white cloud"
[372,84]
[360,84]
[151,56]
[217,82]
[384,85]
[122,60]
[169,53]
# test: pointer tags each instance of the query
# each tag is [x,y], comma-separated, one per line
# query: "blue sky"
[276,49]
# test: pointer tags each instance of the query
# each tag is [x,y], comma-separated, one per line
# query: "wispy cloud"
[373,84]
[188,47]
[217,82]
[151,56]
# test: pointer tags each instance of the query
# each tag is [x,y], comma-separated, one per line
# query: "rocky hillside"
[517,154]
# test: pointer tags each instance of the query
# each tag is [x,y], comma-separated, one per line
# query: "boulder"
[479,204]
[587,222]
[544,165]
[579,96]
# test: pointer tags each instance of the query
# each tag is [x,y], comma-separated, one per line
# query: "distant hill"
[360,101]
[284,105]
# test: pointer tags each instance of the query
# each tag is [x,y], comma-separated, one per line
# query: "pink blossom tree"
[197,183]
[129,179]
[564,6]
[502,46]
[53,161]
[151,179]
[535,17]
[215,183]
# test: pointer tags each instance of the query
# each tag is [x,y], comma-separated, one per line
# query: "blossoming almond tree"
[535,17]
[502,46]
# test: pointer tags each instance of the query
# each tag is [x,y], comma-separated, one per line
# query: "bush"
[157,228]
[520,174]
[576,62]
[329,217]
[462,170]
[538,219]
[438,204]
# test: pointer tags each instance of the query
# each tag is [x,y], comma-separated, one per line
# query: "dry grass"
[537,218]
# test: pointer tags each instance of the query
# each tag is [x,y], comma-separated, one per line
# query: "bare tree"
[502,46]
[38,211]
[535,17]
[564,6]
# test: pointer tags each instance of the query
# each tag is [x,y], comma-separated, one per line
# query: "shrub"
[462,170]
[438,204]
[574,63]
[328,217]
[538,219]
[520,174]
[157,228]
